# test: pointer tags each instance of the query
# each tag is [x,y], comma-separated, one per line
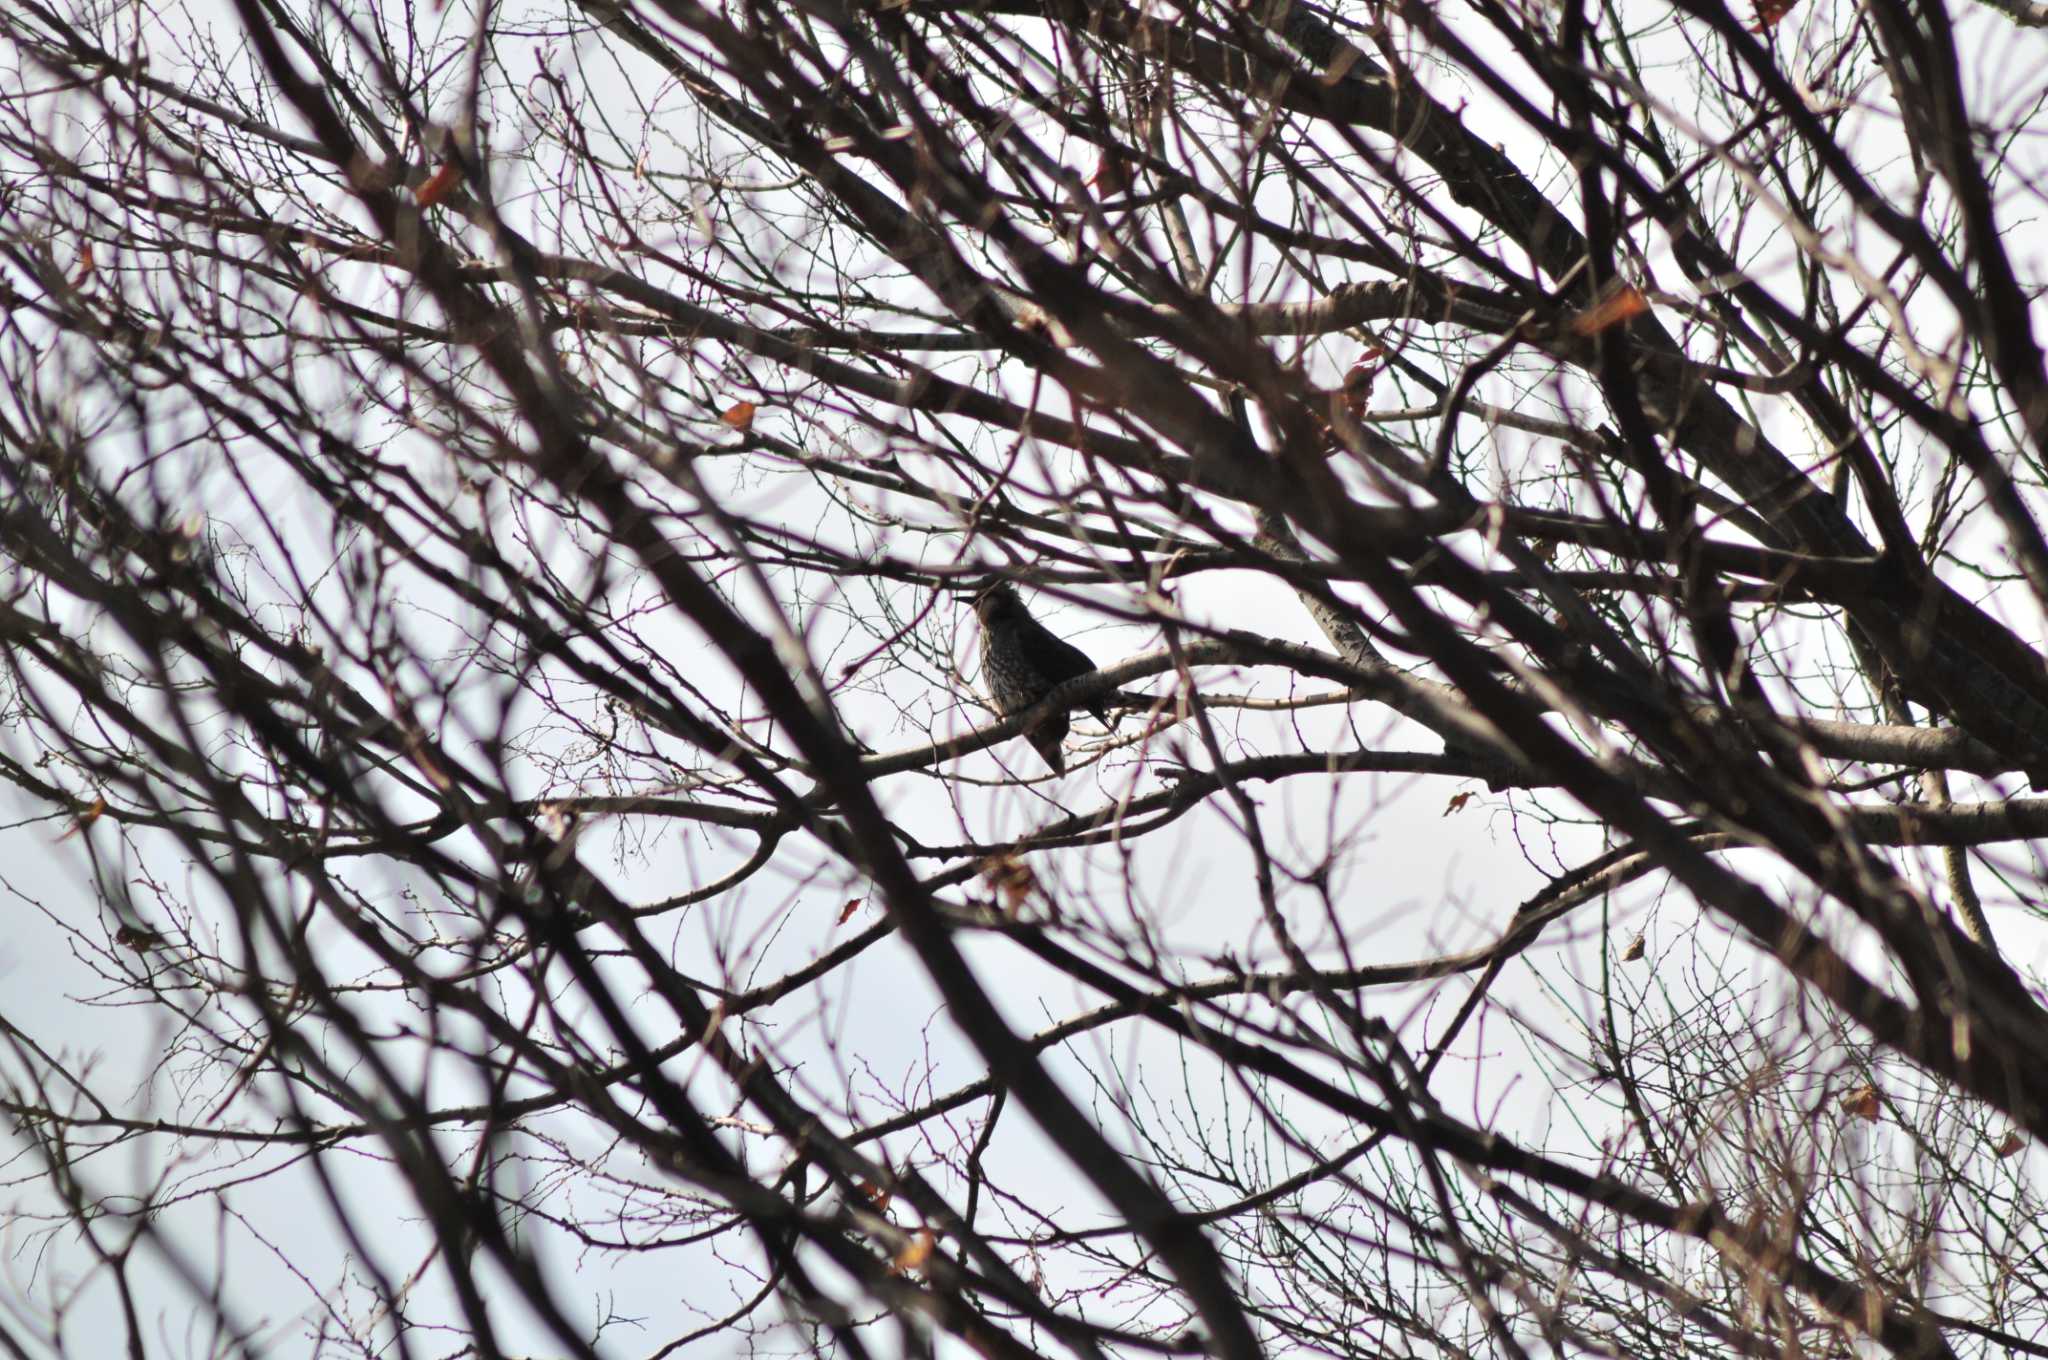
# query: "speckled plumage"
[1021,662]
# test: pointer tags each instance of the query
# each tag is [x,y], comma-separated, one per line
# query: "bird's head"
[997,596]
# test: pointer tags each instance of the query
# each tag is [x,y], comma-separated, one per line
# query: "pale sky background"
[1422,883]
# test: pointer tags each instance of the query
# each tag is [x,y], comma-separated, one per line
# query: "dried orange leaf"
[1633,950]
[1626,302]
[1863,1102]
[2007,1146]
[138,938]
[877,1197]
[915,1253]
[846,912]
[1111,175]
[85,819]
[1769,13]
[85,265]
[740,415]
[438,185]
[1012,878]
[1358,381]
[1457,803]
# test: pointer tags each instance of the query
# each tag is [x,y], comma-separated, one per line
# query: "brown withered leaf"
[85,819]
[1358,381]
[85,265]
[915,1253]
[1625,302]
[846,912]
[1633,950]
[438,185]
[2008,1145]
[1011,879]
[740,415]
[1457,803]
[1111,175]
[138,939]
[878,1198]
[1769,13]
[1863,1102]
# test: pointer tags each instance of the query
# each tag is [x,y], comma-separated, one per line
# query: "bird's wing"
[1060,661]
[1057,659]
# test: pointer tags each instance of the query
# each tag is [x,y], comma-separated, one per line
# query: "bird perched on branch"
[1021,663]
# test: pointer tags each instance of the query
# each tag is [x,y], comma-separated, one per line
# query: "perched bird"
[1021,663]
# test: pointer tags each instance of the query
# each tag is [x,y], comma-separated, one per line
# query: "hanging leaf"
[1457,803]
[438,185]
[1769,13]
[138,938]
[1624,303]
[740,415]
[2010,1144]
[1863,1102]
[85,265]
[846,912]
[1011,878]
[1358,380]
[915,1253]
[1111,175]
[85,819]
[1633,950]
